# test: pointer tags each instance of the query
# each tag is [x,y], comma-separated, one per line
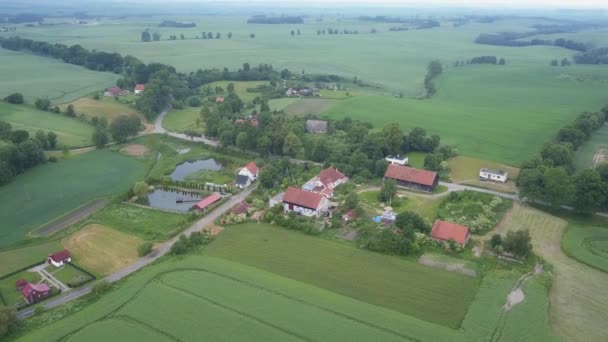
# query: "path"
[45,275]
[158,128]
[146,260]
[71,217]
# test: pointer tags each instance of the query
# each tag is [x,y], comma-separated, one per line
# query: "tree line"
[550,176]
[514,39]
[20,151]
[488,60]
[434,69]
[262,19]
[173,23]
[593,56]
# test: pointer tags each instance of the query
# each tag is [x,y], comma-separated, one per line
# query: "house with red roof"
[139,88]
[207,201]
[413,178]
[304,202]
[325,182]
[60,258]
[219,99]
[115,91]
[250,170]
[33,293]
[445,231]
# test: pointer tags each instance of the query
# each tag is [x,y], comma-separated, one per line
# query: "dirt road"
[71,217]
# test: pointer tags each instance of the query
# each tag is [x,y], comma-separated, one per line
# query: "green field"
[68,274]
[181,120]
[41,77]
[70,132]
[240,88]
[309,106]
[587,244]
[53,189]
[404,286]
[16,258]
[584,156]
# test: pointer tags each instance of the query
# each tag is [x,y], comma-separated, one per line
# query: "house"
[60,258]
[250,170]
[207,201]
[112,92]
[349,215]
[316,126]
[445,231]
[493,175]
[219,99]
[276,200]
[305,92]
[139,88]
[399,160]
[241,208]
[325,182]
[242,181]
[291,92]
[410,177]
[33,293]
[304,202]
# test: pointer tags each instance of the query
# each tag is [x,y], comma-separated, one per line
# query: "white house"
[250,170]
[139,89]
[304,202]
[60,258]
[242,181]
[399,160]
[493,175]
[325,182]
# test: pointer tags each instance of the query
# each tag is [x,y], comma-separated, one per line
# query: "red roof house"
[304,202]
[251,170]
[33,293]
[219,99]
[19,284]
[349,215]
[240,208]
[139,88]
[59,258]
[412,178]
[331,177]
[252,167]
[446,231]
[207,201]
[113,91]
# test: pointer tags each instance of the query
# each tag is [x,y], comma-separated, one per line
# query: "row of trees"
[262,19]
[515,39]
[488,60]
[593,56]
[550,176]
[434,69]
[564,62]
[20,151]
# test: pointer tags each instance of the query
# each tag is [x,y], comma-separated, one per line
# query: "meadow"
[105,107]
[466,170]
[587,243]
[70,132]
[240,88]
[182,120]
[397,284]
[584,157]
[40,77]
[53,189]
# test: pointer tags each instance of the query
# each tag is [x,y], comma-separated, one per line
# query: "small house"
[207,201]
[139,89]
[493,175]
[242,181]
[349,215]
[291,92]
[60,258]
[316,126]
[219,99]
[325,182]
[112,92]
[304,202]
[445,231]
[413,178]
[250,170]
[399,160]
[33,293]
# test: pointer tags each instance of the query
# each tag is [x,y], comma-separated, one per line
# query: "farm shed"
[60,258]
[413,178]
[493,175]
[446,231]
[207,201]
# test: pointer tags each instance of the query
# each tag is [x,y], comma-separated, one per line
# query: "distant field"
[103,108]
[309,106]
[404,286]
[280,104]
[240,88]
[587,244]
[594,151]
[486,112]
[181,120]
[48,191]
[40,77]
[71,132]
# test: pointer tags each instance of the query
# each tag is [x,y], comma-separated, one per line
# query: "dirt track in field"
[72,217]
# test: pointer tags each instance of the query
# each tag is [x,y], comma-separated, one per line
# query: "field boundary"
[72,217]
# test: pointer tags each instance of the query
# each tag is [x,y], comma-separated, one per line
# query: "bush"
[479,211]
[187,244]
[16,98]
[144,249]
[52,159]
[101,287]
[39,309]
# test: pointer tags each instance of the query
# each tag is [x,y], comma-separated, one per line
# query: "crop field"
[70,132]
[587,244]
[53,189]
[181,120]
[40,77]
[102,250]
[579,294]
[105,107]
[401,285]
[594,151]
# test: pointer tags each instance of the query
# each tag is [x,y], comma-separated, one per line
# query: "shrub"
[144,249]
[479,211]
[39,309]
[15,98]
[101,287]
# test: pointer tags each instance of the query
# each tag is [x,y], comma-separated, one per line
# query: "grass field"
[240,88]
[102,250]
[304,107]
[427,208]
[404,286]
[584,156]
[9,291]
[181,120]
[70,132]
[18,257]
[587,244]
[466,170]
[40,77]
[68,274]
[51,190]
[105,107]
[579,295]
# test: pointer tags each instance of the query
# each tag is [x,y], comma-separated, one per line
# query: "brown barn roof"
[410,174]
[302,198]
[207,201]
[446,231]
[330,175]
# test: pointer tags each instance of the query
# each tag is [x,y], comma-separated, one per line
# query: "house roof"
[495,172]
[28,288]
[330,175]
[207,201]
[219,99]
[350,214]
[302,198]
[316,126]
[242,180]
[114,90]
[60,256]
[139,87]
[446,231]
[240,208]
[410,174]
[252,168]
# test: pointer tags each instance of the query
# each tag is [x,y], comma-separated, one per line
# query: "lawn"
[70,132]
[404,286]
[22,256]
[466,170]
[416,159]
[102,250]
[304,107]
[53,189]
[240,88]
[69,275]
[229,301]
[181,120]
[9,291]
[41,77]
[425,207]
[584,156]
[148,224]
[587,244]
[105,107]
[280,104]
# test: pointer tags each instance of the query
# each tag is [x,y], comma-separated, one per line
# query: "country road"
[158,128]
[144,261]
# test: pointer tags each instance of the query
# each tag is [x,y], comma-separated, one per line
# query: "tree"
[140,189]
[51,138]
[145,36]
[252,35]
[43,104]
[38,309]
[518,243]
[229,35]
[69,111]
[5,130]
[99,138]
[293,33]
[589,191]
[230,87]
[556,184]
[565,62]
[204,35]
[42,139]
[554,62]
[144,249]
[292,145]
[16,98]
[182,36]
[8,319]
[156,36]
[495,241]
[433,162]
[218,35]
[560,154]
[351,201]
[502,61]
[530,183]
[388,191]
[411,221]
[393,138]
[123,127]
[19,136]
[242,140]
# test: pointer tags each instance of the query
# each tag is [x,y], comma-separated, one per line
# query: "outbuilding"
[207,201]
[445,231]
[304,202]
[60,258]
[410,177]
[493,175]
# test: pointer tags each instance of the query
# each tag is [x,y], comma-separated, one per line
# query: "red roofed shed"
[446,231]
[33,293]
[331,177]
[412,178]
[207,201]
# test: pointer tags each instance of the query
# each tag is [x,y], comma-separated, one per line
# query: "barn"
[412,178]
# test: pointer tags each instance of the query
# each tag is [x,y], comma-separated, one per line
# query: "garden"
[479,211]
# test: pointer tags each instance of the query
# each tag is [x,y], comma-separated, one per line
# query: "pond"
[172,199]
[185,169]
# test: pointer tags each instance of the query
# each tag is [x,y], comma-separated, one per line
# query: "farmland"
[18,257]
[40,77]
[587,244]
[105,107]
[51,190]
[70,132]
[182,120]
[594,151]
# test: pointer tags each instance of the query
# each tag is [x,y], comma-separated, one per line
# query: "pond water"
[168,199]
[185,169]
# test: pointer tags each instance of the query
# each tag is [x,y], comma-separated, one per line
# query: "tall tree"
[556,184]
[51,138]
[589,191]
[393,138]
[291,145]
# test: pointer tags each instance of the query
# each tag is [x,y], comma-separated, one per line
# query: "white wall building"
[493,175]
[304,202]
[399,160]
